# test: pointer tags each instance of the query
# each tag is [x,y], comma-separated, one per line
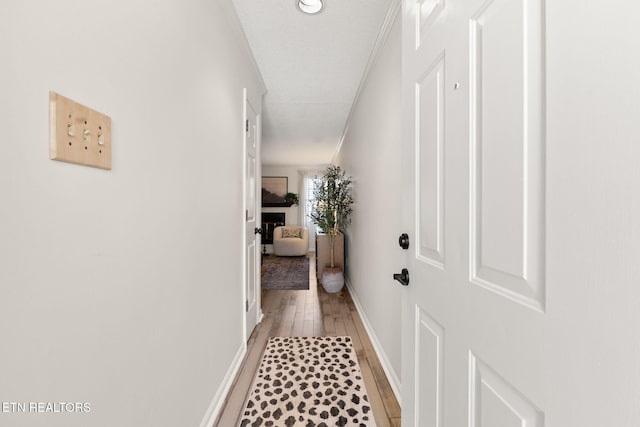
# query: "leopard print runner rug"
[308,382]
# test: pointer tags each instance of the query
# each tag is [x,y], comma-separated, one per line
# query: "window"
[306,203]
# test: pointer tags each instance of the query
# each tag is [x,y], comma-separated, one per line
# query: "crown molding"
[383,35]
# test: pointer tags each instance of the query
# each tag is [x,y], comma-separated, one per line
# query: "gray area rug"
[285,272]
[308,382]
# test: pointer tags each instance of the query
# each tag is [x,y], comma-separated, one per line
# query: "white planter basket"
[332,280]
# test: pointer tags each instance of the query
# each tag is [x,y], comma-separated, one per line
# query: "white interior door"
[521,195]
[252,281]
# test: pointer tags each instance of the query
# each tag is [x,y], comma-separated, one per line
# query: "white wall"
[122,288]
[369,153]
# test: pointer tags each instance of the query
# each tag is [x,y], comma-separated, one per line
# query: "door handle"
[402,277]
[403,241]
[257,230]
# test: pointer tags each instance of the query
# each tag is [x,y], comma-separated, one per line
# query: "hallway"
[501,136]
[313,313]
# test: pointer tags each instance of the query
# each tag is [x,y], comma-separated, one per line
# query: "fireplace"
[271,220]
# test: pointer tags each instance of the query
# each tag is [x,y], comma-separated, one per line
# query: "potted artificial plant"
[331,210]
[291,199]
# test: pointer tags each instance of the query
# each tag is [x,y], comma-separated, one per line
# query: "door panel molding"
[427,11]
[430,163]
[429,365]
[507,132]
[495,402]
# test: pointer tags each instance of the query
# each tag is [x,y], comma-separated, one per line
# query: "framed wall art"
[274,190]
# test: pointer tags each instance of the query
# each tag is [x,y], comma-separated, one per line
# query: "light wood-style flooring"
[313,313]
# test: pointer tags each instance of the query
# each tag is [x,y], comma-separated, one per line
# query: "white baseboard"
[220,396]
[377,347]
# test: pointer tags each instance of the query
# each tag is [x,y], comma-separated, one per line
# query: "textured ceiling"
[312,66]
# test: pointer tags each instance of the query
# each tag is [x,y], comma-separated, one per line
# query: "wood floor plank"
[374,396]
[388,397]
[341,329]
[329,325]
[230,416]
[307,330]
[286,324]
[298,320]
[318,324]
[310,301]
[313,312]
[309,305]
[339,318]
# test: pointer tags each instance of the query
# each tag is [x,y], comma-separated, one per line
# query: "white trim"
[258,202]
[377,347]
[238,31]
[221,394]
[257,312]
[383,35]
[245,301]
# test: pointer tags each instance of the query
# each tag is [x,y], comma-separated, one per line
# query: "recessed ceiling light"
[310,7]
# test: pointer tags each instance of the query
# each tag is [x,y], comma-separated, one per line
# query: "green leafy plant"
[332,206]
[291,198]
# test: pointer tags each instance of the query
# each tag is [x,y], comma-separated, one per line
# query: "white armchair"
[290,240]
